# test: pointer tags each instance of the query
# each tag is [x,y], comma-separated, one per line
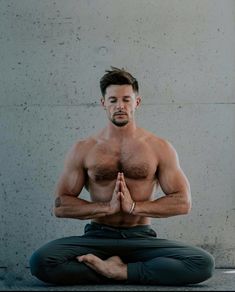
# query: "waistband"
[95,229]
[114,228]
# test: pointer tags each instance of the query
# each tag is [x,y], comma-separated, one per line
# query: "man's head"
[117,77]
[119,96]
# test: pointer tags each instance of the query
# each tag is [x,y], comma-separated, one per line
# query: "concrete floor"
[223,280]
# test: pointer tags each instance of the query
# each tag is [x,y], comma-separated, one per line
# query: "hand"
[115,203]
[126,199]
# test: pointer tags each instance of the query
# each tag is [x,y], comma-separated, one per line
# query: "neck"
[127,131]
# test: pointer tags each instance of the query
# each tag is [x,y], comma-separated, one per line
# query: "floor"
[223,280]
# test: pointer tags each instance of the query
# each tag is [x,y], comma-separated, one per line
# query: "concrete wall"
[52,55]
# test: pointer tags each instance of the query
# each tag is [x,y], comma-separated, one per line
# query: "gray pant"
[150,260]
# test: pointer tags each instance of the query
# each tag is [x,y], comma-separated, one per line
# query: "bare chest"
[134,160]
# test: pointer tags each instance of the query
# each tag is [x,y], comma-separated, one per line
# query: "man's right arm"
[70,185]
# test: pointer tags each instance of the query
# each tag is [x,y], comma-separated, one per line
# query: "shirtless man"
[121,167]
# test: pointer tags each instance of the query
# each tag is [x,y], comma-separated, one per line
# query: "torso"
[136,159]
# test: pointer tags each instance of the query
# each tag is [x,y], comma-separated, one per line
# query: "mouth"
[120,114]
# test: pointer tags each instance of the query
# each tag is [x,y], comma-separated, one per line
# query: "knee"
[207,266]
[37,264]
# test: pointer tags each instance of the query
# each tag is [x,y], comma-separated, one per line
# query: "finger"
[89,258]
[117,186]
[123,178]
[121,195]
[123,187]
[83,258]
[122,201]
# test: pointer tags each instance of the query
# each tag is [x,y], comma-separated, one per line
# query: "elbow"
[186,208]
[58,207]
[185,204]
[58,212]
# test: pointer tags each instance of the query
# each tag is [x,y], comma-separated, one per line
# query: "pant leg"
[55,262]
[170,263]
[149,260]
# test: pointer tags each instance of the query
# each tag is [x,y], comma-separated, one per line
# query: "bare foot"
[113,267]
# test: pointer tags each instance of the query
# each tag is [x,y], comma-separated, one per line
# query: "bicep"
[170,175]
[70,182]
[173,181]
[72,179]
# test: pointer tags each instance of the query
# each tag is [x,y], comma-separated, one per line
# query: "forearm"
[169,205]
[72,207]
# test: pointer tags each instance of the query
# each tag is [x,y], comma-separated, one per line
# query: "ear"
[102,100]
[138,100]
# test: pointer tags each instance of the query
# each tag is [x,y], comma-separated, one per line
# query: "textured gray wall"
[52,55]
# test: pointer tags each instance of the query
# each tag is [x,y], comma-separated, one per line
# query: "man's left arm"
[175,185]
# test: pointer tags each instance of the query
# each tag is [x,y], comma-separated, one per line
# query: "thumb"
[121,195]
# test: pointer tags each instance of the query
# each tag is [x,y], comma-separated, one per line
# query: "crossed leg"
[66,261]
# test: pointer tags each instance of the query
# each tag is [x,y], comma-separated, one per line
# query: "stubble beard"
[118,123]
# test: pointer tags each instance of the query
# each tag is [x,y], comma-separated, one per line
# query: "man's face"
[120,102]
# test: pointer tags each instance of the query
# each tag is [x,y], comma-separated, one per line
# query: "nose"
[120,105]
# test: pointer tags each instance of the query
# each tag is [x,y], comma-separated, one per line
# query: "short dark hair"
[117,76]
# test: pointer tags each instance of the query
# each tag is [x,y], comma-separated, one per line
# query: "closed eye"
[112,99]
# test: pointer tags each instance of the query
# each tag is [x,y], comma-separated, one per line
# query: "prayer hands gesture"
[121,198]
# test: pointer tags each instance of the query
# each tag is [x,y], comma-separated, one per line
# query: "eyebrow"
[125,96]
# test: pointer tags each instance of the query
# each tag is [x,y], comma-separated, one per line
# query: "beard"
[119,122]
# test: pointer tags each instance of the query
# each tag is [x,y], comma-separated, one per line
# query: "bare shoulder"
[79,150]
[161,146]
[84,145]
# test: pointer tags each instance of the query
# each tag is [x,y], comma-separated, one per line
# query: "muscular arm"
[175,185]
[70,185]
